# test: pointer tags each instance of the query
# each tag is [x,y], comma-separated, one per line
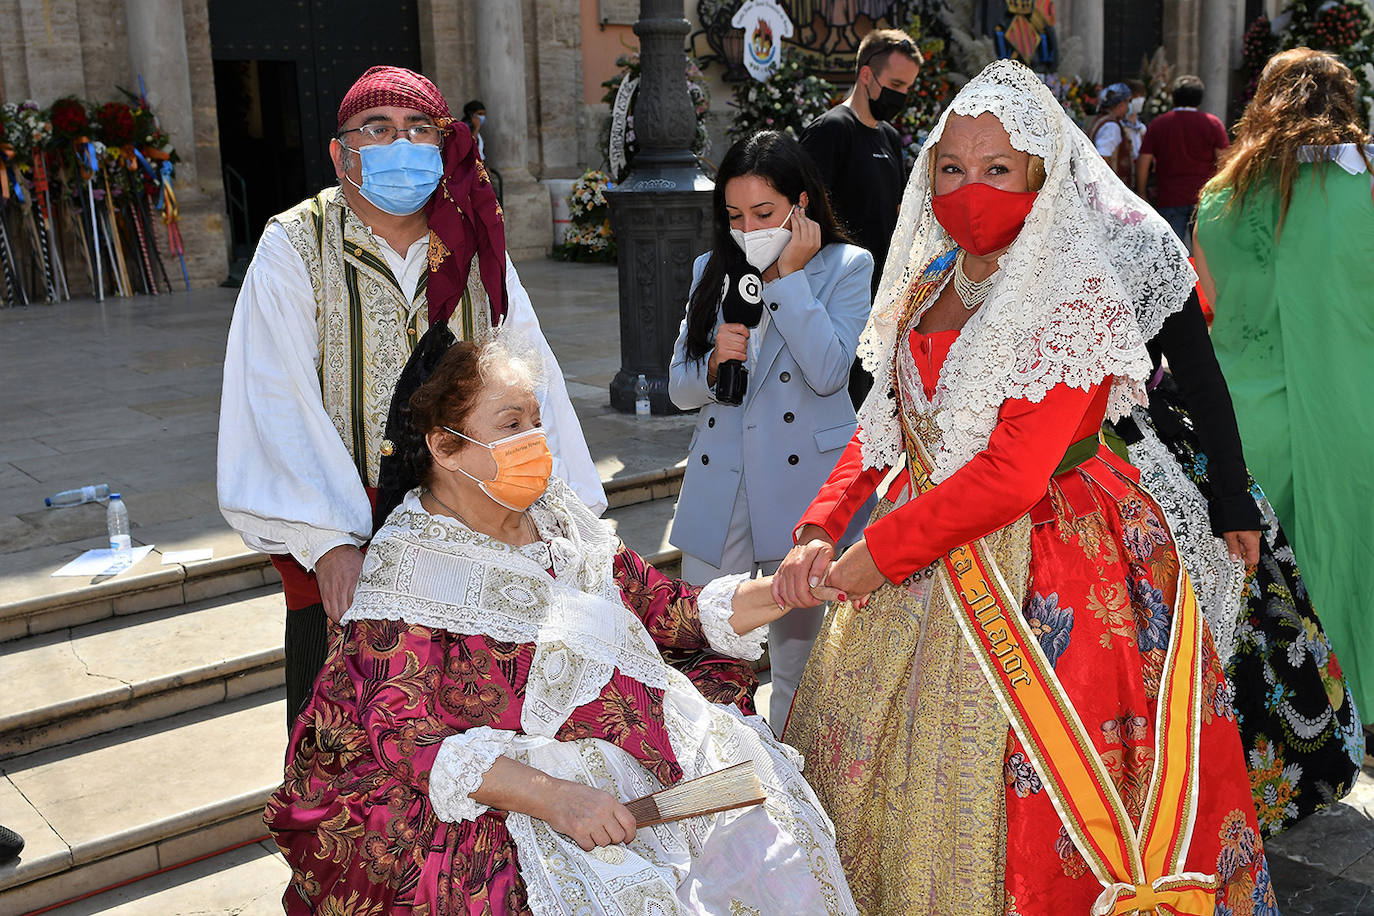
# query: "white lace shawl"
[435,572]
[1090,278]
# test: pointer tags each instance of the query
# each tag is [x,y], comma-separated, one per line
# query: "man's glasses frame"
[382,134]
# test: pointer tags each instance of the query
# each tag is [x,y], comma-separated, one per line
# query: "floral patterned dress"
[1303,742]
[353,817]
[1103,577]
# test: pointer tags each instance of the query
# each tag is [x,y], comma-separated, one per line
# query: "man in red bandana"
[339,291]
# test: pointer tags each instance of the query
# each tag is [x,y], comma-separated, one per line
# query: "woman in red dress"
[1016,574]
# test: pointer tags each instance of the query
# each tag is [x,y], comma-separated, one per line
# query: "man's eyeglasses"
[377,134]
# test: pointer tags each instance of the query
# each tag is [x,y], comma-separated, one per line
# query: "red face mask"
[982,219]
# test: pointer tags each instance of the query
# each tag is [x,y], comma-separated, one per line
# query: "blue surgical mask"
[398,177]
[481,119]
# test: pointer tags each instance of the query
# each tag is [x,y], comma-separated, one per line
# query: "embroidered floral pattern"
[1050,623]
[1020,776]
[1301,732]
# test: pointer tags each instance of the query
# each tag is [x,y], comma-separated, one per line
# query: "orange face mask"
[523,466]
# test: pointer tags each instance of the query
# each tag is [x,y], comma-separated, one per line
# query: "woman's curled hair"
[438,387]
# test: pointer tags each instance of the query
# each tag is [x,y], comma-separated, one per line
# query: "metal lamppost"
[661,212]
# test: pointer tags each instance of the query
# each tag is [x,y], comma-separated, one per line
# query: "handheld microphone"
[741,303]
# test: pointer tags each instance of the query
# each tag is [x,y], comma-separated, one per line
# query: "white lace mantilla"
[433,571]
[1090,278]
[1218,580]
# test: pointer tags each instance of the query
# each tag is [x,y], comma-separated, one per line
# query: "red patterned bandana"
[464,216]
[393,86]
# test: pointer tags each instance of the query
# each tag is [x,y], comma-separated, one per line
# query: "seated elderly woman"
[498,690]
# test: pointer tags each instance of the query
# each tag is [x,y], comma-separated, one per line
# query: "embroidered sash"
[1140,870]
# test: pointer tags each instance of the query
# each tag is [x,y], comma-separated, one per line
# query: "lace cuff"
[715,607]
[459,767]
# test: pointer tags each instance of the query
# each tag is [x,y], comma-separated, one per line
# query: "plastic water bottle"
[117,520]
[78,496]
[641,396]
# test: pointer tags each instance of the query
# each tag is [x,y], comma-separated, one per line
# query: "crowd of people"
[1029,583]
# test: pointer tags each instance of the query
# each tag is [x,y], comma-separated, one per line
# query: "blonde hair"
[1304,98]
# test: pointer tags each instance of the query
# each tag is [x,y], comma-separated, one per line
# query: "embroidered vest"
[367,328]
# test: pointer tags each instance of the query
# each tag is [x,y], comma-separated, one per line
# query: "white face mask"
[1137,105]
[762,247]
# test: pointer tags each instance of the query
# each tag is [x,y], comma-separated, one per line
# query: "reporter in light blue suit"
[754,468]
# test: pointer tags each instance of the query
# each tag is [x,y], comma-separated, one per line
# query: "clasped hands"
[810,573]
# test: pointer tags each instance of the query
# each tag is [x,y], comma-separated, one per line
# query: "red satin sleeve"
[996,487]
[845,490]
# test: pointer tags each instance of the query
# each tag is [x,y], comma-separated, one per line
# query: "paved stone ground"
[127,393]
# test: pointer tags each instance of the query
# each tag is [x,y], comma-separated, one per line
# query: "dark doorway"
[1132,32]
[280,70]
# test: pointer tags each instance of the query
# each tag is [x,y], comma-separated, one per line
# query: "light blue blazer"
[783,441]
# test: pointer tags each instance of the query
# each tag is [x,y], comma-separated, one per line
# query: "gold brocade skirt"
[904,744]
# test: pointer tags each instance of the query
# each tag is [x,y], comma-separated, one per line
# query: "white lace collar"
[1346,155]
[436,572]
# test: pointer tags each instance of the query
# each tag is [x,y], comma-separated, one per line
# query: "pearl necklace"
[970,294]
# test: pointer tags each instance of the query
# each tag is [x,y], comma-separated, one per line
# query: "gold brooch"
[388,447]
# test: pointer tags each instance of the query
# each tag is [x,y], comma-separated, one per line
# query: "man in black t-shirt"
[859,153]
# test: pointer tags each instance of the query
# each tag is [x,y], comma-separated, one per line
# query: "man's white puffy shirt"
[286,482]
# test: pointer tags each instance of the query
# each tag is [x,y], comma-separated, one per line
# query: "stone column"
[159,49]
[157,52]
[501,85]
[52,49]
[661,212]
[1089,25]
[1218,20]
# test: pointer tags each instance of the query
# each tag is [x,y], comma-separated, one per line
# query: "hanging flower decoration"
[1340,26]
[791,98]
[1345,28]
[629,70]
[588,237]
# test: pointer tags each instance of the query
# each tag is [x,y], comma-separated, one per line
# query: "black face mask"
[888,104]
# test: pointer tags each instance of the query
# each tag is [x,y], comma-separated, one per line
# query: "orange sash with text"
[1140,869]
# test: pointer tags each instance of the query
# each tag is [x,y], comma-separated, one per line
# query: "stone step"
[128,803]
[97,677]
[32,603]
[248,880]
[118,671]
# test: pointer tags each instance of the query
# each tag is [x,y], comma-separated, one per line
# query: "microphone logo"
[750,288]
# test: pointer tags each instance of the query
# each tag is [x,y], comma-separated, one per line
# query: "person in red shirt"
[1014,551]
[1183,145]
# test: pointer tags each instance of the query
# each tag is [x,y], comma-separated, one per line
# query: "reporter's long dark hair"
[779,160]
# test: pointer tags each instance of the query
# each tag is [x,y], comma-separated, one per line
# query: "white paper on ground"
[104,562]
[193,555]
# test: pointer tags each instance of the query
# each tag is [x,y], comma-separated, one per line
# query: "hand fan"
[723,790]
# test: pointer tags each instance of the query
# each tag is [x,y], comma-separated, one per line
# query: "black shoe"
[11,844]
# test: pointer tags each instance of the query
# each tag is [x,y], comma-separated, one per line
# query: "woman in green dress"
[1285,248]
